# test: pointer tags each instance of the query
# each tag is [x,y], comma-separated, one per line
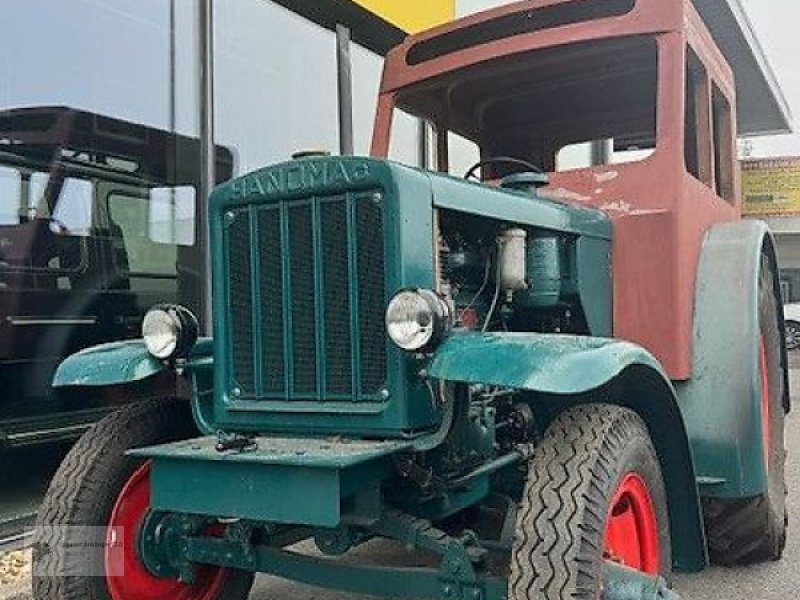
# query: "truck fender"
[119,363]
[576,370]
[721,402]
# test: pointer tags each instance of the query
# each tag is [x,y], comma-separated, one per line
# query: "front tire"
[98,486]
[594,492]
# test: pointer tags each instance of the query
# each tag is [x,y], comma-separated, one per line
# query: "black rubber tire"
[83,492]
[750,530]
[558,546]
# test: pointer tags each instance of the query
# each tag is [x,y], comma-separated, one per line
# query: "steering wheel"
[508,160]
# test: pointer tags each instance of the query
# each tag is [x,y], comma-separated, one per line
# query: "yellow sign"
[412,15]
[771,187]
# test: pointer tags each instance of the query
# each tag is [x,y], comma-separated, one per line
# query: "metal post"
[601,152]
[208,170]
[423,147]
[345,89]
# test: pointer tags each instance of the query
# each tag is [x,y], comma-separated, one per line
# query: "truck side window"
[172,211]
[72,211]
[151,227]
[723,144]
[697,127]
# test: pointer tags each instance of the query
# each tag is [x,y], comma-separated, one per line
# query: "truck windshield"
[551,107]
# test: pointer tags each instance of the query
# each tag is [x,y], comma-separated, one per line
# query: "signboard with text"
[771,187]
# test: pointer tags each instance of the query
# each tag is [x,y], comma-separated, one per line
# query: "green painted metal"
[395,582]
[108,364]
[593,279]
[522,208]
[407,197]
[121,362]
[406,407]
[622,583]
[460,575]
[721,403]
[547,363]
[573,369]
[280,480]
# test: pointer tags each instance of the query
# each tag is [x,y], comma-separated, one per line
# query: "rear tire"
[86,491]
[572,501]
[749,530]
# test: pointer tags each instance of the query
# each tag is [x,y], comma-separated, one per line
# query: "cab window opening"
[573,96]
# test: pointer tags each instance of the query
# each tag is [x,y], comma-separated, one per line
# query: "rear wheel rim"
[631,535]
[126,577]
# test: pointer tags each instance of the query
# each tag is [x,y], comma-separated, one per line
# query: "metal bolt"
[448,590]
[384,394]
[230,217]
[236,392]
[476,593]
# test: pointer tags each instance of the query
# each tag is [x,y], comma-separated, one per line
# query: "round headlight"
[416,319]
[169,331]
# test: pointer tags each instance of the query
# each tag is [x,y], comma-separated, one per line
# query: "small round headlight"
[169,331]
[416,319]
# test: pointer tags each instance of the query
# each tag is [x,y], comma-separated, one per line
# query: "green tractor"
[547,382]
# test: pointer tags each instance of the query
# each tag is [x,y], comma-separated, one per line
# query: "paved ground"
[777,581]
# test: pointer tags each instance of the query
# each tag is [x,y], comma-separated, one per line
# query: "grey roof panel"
[763,108]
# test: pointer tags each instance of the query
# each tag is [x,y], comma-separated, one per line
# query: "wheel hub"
[631,536]
[133,573]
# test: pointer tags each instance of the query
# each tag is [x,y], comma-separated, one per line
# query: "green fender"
[579,369]
[721,403]
[119,363]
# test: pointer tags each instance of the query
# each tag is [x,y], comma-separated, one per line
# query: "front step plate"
[281,480]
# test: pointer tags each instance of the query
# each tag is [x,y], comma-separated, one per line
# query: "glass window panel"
[73,210]
[10,195]
[366,68]
[132,223]
[403,143]
[275,83]
[463,153]
[172,215]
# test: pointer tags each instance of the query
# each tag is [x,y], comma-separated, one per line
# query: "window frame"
[714,142]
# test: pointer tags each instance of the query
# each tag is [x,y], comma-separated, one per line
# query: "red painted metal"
[631,536]
[660,212]
[763,373]
[130,580]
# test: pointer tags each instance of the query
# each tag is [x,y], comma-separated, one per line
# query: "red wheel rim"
[763,373]
[631,536]
[129,580]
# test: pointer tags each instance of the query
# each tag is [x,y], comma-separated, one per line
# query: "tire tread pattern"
[557,552]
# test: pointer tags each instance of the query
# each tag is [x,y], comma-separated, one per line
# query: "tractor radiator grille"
[307,299]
